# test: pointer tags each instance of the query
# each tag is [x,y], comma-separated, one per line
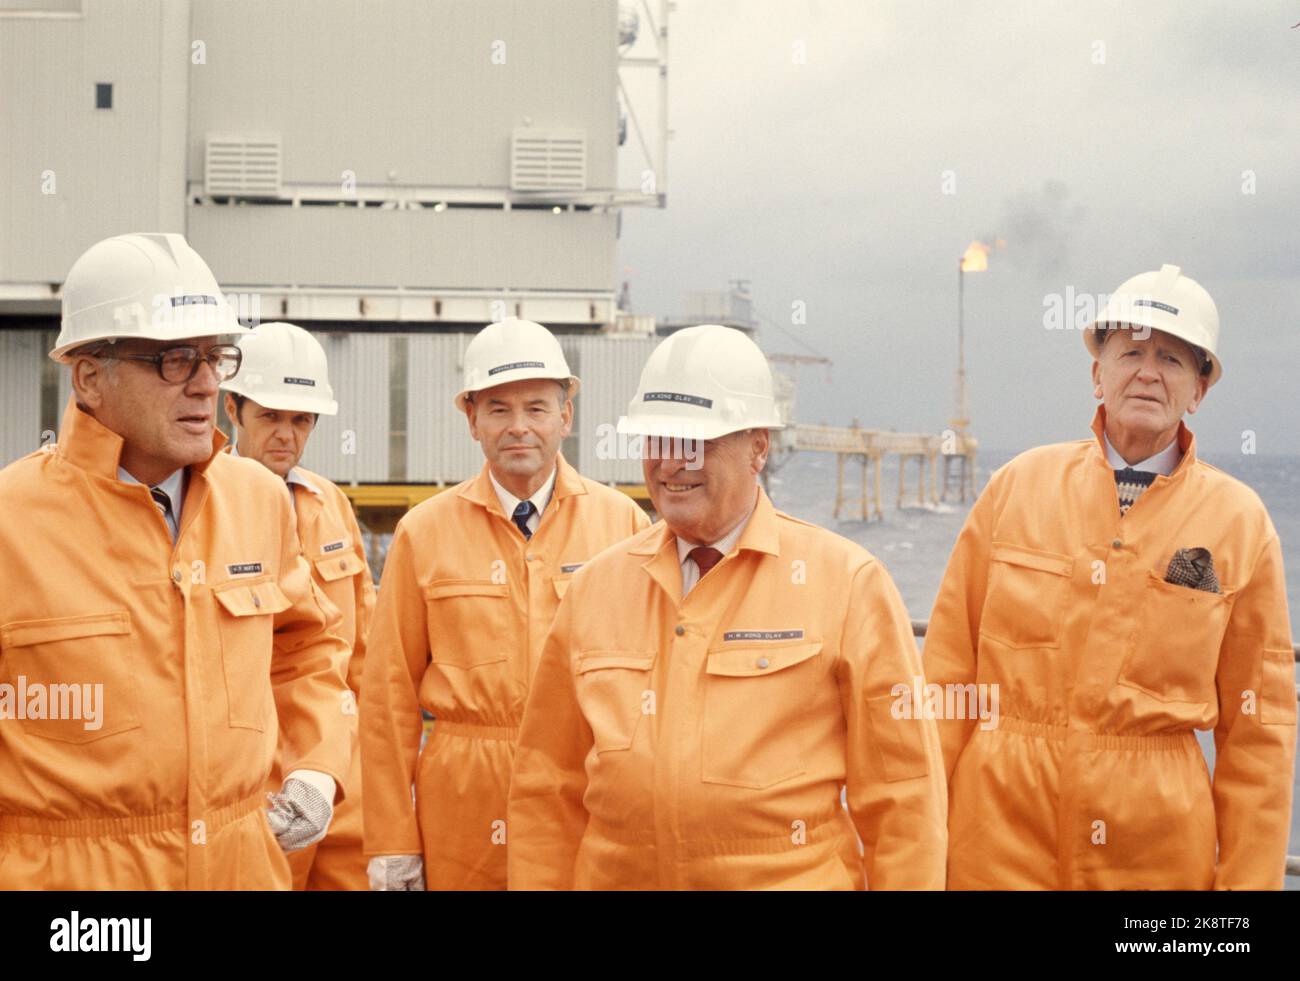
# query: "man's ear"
[89,380]
[1096,379]
[471,415]
[759,447]
[1202,386]
[566,413]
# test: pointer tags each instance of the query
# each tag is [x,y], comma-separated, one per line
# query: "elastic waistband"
[445,727]
[1096,740]
[134,824]
[830,828]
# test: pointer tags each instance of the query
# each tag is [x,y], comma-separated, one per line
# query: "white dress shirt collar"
[690,571]
[173,486]
[1163,463]
[540,499]
[296,476]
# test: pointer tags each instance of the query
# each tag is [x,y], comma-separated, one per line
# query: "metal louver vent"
[548,161]
[240,165]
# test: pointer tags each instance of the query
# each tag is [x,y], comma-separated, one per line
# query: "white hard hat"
[513,350]
[284,368]
[146,284]
[1168,301]
[702,383]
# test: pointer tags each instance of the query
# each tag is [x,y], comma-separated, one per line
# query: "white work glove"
[300,813]
[396,873]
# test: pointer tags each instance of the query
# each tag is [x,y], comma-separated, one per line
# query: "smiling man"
[129,561]
[1121,593]
[713,686]
[471,583]
[282,388]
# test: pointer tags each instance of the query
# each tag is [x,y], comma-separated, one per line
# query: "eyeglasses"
[180,364]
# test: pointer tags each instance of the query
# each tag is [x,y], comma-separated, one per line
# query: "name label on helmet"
[300,381]
[1157,304]
[194,299]
[763,635]
[244,569]
[515,364]
[703,403]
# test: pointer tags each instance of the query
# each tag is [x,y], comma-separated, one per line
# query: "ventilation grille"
[239,165]
[554,161]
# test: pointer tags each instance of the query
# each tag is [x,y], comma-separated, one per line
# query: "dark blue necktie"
[523,511]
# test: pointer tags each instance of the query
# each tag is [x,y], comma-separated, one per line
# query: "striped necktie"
[1130,484]
[161,499]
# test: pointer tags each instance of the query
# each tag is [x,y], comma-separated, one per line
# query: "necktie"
[705,558]
[1130,484]
[161,499]
[164,505]
[523,511]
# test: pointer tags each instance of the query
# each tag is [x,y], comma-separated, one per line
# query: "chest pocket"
[1174,652]
[80,670]
[613,691]
[470,621]
[247,639]
[755,699]
[336,566]
[1024,604]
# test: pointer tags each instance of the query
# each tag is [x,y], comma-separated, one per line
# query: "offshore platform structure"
[391,179]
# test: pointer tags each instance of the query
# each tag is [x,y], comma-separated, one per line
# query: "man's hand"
[396,873]
[300,813]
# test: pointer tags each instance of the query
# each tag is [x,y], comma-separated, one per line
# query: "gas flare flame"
[976,256]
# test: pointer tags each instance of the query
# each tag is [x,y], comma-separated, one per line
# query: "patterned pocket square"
[1193,567]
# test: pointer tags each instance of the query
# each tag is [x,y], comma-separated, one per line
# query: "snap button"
[1116,543]
[763,662]
[680,630]
[257,601]
[177,575]
[343,564]
[529,556]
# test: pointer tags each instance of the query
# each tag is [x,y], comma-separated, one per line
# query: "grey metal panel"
[610,367]
[439,446]
[114,170]
[353,445]
[21,356]
[406,87]
[453,249]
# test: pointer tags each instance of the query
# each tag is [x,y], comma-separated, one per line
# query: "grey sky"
[821,182]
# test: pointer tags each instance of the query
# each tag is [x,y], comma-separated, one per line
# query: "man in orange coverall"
[712,685]
[1120,593]
[470,586]
[150,634]
[283,386]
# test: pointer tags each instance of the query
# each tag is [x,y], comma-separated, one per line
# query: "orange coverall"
[199,646]
[1094,779]
[464,605]
[331,541]
[703,743]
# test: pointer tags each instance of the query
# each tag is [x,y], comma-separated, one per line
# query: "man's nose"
[205,381]
[1148,370]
